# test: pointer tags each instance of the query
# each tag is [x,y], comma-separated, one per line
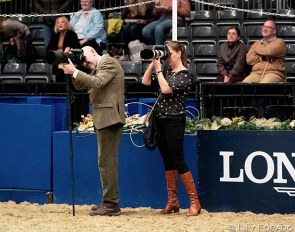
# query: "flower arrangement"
[237,123]
[86,125]
[135,124]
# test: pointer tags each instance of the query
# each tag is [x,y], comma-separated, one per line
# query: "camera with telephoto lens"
[56,57]
[159,51]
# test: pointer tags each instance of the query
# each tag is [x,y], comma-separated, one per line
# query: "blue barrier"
[25,158]
[58,103]
[141,172]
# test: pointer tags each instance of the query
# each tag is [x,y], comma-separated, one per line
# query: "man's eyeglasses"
[267,27]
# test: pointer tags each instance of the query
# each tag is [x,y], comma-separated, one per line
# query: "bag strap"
[155,102]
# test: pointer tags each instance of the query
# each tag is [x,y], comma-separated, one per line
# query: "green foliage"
[238,123]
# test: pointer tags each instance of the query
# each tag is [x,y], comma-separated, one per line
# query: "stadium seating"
[287,32]
[204,18]
[13,73]
[205,52]
[184,35]
[39,72]
[253,33]
[206,71]
[201,34]
[132,71]
[255,17]
[229,17]
[290,70]
[285,20]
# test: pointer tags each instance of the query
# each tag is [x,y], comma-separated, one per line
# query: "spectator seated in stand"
[154,32]
[231,58]
[135,18]
[50,7]
[267,57]
[63,39]
[88,23]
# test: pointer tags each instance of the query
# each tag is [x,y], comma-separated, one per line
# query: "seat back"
[290,70]
[253,33]
[189,52]
[285,16]
[39,72]
[13,73]
[205,52]
[290,51]
[38,52]
[204,17]
[37,34]
[184,35]
[40,68]
[283,112]
[15,68]
[207,71]
[255,17]
[287,32]
[202,34]
[229,17]
[132,71]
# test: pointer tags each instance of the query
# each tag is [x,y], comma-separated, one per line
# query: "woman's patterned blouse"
[172,105]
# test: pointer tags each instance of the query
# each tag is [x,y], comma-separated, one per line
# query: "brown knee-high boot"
[189,185]
[171,181]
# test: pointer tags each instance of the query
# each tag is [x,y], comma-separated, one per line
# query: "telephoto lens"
[153,54]
[57,57]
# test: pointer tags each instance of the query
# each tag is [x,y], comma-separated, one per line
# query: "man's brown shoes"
[105,209]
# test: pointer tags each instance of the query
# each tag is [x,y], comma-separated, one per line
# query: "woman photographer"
[170,120]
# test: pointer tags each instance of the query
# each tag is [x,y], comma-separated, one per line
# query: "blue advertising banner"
[247,171]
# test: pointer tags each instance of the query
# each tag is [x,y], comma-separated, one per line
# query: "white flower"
[226,122]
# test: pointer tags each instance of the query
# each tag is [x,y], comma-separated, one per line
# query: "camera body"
[159,51]
[56,57]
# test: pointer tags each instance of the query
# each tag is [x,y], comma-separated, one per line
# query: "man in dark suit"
[105,85]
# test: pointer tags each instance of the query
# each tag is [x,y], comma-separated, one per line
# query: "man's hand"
[226,79]
[68,68]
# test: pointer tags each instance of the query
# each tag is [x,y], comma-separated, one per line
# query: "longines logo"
[274,171]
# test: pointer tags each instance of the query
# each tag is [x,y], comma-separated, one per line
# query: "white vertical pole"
[174,20]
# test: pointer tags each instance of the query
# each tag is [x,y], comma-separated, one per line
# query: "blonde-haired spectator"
[63,38]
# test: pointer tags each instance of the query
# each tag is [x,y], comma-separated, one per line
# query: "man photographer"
[105,85]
